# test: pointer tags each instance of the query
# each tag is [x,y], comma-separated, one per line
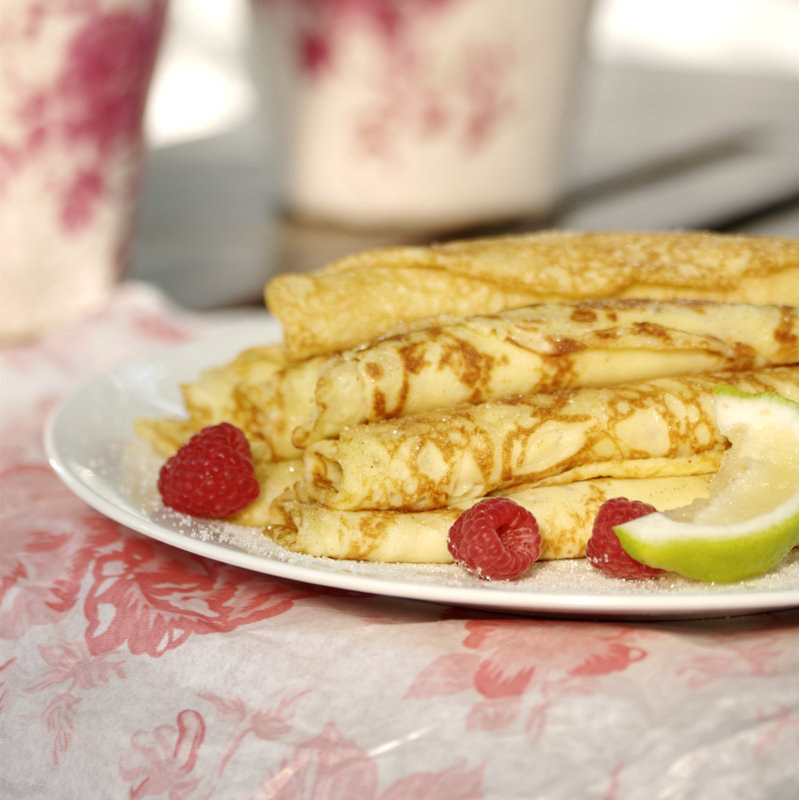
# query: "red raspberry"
[604,549]
[212,475]
[496,539]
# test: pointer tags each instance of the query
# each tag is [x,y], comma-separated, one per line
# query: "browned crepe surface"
[362,296]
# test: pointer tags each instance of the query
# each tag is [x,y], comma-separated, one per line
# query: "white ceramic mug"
[74,78]
[418,114]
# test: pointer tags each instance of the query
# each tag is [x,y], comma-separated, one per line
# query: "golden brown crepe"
[275,479]
[270,411]
[439,458]
[365,295]
[414,381]
[565,516]
[215,397]
[210,398]
[166,435]
[534,348]
[538,349]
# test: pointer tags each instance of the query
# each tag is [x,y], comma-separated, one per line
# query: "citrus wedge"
[750,519]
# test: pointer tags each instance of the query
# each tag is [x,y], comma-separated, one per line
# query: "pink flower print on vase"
[424,115]
[74,79]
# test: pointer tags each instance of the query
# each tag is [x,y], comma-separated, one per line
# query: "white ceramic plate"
[90,443]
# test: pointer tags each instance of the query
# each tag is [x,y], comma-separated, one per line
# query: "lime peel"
[750,520]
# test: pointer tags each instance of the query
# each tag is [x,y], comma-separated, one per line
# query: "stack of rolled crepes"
[558,369]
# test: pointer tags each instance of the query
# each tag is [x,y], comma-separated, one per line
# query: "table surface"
[131,668]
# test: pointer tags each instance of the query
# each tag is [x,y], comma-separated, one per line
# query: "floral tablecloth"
[130,668]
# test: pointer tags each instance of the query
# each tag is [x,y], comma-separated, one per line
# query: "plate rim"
[488,597]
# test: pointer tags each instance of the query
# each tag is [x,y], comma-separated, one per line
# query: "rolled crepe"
[439,458]
[538,348]
[287,406]
[365,295]
[211,398]
[534,348]
[275,479]
[269,411]
[166,435]
[565,516]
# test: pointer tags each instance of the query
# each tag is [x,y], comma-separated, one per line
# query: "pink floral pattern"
[329,765]
[93,105]
[467,108]
[158,674]
[140,595]
[152,599]
[161,760]
[34,583]
[507,660]
[70,664]
[321,23]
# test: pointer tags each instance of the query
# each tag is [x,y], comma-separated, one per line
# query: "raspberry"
[496,539]
[212,475]
[604,550]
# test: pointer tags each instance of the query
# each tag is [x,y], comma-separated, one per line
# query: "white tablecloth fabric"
[131,669]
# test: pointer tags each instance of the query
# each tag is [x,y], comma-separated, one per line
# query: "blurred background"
[687,116]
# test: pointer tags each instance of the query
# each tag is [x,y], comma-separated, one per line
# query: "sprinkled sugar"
[139,468]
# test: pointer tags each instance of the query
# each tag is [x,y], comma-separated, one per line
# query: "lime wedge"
[750,520]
